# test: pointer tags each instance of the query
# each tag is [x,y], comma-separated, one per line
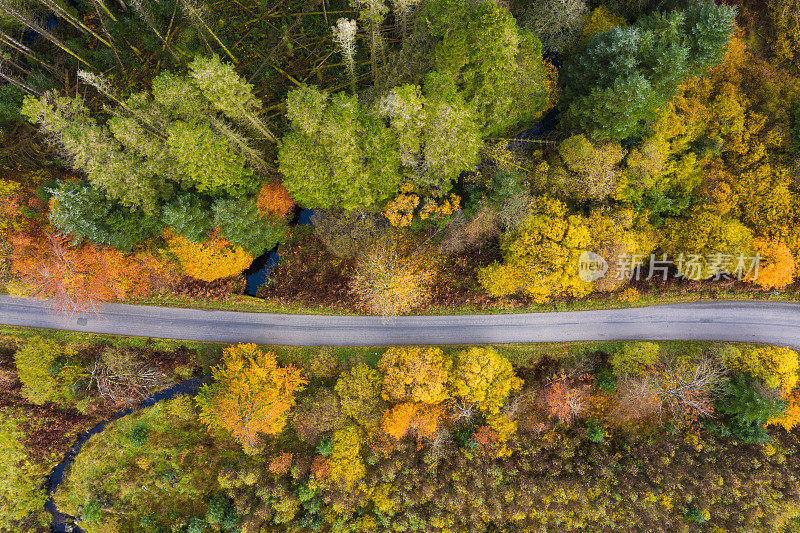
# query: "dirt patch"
[307,274]
[49,429]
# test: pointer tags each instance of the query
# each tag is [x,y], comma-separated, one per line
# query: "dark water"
[263,264]
[63,523]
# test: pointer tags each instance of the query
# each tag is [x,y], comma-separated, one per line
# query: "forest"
[453,155]
[672,436]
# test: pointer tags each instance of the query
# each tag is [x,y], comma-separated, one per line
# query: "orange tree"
[250,396]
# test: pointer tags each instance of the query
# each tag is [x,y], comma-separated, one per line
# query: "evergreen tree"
[336,154]
[190,215]
[242,224]
[617,83]
[86,213]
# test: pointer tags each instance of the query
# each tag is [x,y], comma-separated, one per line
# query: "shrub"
[634,358]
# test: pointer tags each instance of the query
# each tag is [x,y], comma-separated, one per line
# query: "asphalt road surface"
[763,322]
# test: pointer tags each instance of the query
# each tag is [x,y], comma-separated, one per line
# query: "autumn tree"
[540,257]
[483,376]
[250,396]
[336,153]
[359,391]
[415,374]
[390,281]
[212,259]
[317,415]
[47,370]
[696,239]
[777,264]
[273,200]
[420,419]
[587,171]
[619,233]
[80,278]
[777,367]
[784,19]
[564,400]
[346,462]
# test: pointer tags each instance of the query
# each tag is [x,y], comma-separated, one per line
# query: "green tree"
[242,224]
[206,161]
[121,175]
[336,154]
[493,62]
[190,215]
[483,376]
[617,83]
[229,93]
[86,213]
[747,407]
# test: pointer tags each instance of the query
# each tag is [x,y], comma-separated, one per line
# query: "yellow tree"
[777,264]
[250,396]
[359,392]
[483,376]
[776,366]
[213,259]
[540,258]
[415,374]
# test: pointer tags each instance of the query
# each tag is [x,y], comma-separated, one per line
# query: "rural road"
[764,322]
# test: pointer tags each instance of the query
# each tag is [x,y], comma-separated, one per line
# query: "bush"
[634,358]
